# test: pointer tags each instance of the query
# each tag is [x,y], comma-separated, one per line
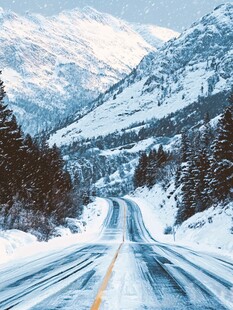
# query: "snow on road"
[154,275]
[204,231]
[147,274]
[15,244]
[66,264]
[127,289]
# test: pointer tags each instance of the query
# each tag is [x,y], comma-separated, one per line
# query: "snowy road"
[145,275]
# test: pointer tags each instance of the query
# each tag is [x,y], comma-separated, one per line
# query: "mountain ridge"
[55,65]
[195,65]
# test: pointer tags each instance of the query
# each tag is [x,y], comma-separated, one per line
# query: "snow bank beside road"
[210,230]
[11,240]
[213,228]
[158,209]
[16,244]
[92,219]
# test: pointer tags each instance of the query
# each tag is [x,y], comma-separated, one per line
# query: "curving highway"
[124,269]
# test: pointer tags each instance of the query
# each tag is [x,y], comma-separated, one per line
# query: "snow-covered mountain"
[155,35]
[194,66]
[53,66]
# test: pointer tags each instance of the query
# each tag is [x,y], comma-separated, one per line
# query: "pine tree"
[187,181]
[202,177]
[222,159]
[140,171]
[29,172]
[151,168]
[10,152]
[34,187]
[185,147]
[207,134]
[201,181]
[161,156]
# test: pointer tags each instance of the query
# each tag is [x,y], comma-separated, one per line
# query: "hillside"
[197,232]
[53,66]
[103,147]
[155,35]
[116,160]
[185,70]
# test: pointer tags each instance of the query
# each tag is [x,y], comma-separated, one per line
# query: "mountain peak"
[7,14]
[224,6]
[91,13]
[196,65]
[90,10]
[66,61]
[87,13]
[221,14]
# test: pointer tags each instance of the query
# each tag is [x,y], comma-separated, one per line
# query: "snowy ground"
[209,230]
[15,244]
[203,231]
[155,275]
[146,274]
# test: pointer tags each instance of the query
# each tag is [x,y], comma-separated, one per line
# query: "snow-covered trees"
[204,166]
[34,188]
[149,168]
[187,180]
[205,175]
[222,158]
[10,151]
[141,171]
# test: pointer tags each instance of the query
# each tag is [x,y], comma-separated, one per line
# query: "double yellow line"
[98,299]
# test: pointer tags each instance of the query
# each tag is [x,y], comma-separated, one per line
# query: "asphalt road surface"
[124,269]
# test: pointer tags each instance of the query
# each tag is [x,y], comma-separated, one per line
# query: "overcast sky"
[175,14]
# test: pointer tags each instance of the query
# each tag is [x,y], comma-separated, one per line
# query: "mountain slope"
[53,66]
[155,35]
[196,65]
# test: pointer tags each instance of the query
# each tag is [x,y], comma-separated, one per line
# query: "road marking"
[98,299]
[124,224]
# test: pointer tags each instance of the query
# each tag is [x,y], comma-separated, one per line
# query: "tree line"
[150,167]
[36,192]
[167,126]
[202,167]
[205,173]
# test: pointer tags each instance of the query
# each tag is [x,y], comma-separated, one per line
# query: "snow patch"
[12,240]
[210,230]
[213,228]
[15,244]
[158,210]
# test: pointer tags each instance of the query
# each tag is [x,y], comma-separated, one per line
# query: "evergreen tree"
[34,187]
[185,147]
[207,134]
[222,159]
[140,171]
[29,172]
[187,181]
[10,152]
[151,169]
[201,180]
[161,156]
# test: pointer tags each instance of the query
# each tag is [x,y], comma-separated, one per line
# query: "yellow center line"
[124,224]
[98,299]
